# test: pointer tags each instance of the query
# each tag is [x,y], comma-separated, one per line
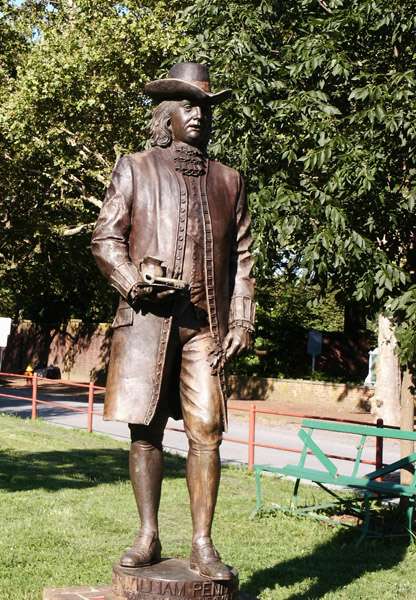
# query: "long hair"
[160,132]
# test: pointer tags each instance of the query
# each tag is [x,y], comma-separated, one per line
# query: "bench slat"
[360,429]
[347,481]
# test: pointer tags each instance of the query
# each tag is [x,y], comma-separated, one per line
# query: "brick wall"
[291,390]
[80,350]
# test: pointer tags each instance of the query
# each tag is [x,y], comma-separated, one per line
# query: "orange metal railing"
[35,379]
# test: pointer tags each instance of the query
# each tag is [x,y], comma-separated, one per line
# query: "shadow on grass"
[53,470]
[331,566]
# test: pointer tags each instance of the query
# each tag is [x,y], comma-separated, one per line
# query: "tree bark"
[407,419]
[386,399]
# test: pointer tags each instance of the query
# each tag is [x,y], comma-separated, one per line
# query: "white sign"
[5,326]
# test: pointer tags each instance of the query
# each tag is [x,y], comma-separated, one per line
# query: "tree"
[71,103]
[323,125]
[386,399]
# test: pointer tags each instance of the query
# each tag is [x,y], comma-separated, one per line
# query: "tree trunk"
[386,399]
[407,419]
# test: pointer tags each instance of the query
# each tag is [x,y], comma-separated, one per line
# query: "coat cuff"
[124,277]
[242,312]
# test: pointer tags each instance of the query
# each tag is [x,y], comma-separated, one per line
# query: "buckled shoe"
[206,559]
[145,551]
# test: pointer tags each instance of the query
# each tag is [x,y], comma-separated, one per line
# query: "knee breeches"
[187,365]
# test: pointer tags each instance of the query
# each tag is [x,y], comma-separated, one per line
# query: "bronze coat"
[144,213]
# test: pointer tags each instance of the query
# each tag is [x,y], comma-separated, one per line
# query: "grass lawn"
[68,513]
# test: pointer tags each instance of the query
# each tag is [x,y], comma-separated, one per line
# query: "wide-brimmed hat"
[188,80]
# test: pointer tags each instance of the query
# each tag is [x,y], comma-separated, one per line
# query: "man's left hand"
[237,342]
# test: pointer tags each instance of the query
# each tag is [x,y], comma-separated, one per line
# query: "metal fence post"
[251,435]
[379,449]
[34,395]
[90,405]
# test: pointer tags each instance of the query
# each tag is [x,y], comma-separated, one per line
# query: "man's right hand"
[150,294]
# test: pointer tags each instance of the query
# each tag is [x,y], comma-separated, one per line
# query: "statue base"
[170,579]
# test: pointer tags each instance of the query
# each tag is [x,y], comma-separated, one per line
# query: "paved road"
[277,434]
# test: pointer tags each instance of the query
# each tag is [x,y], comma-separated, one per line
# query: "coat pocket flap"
[124,317]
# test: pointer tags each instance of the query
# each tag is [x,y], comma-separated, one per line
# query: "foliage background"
[72,74]
[321,124]
[326,140]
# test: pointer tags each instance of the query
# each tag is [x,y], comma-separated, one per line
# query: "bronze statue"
[173,238]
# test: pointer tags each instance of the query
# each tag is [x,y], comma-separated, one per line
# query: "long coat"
[145,213]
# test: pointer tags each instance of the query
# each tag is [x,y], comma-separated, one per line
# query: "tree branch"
[325,6]
[76,230]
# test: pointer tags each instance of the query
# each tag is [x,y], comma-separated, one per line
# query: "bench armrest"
[321,456]
[399,464]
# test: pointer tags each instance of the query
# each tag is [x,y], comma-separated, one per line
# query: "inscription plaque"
[171,579]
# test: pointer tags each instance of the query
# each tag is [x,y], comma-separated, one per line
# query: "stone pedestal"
[171,579]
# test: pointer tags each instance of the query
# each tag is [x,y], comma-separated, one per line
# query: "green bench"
[367,488]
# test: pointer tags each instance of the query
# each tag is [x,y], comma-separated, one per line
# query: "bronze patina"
[173,237]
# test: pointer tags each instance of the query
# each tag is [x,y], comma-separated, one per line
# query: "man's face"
[190,122]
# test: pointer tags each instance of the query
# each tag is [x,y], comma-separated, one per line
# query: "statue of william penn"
[173,238]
